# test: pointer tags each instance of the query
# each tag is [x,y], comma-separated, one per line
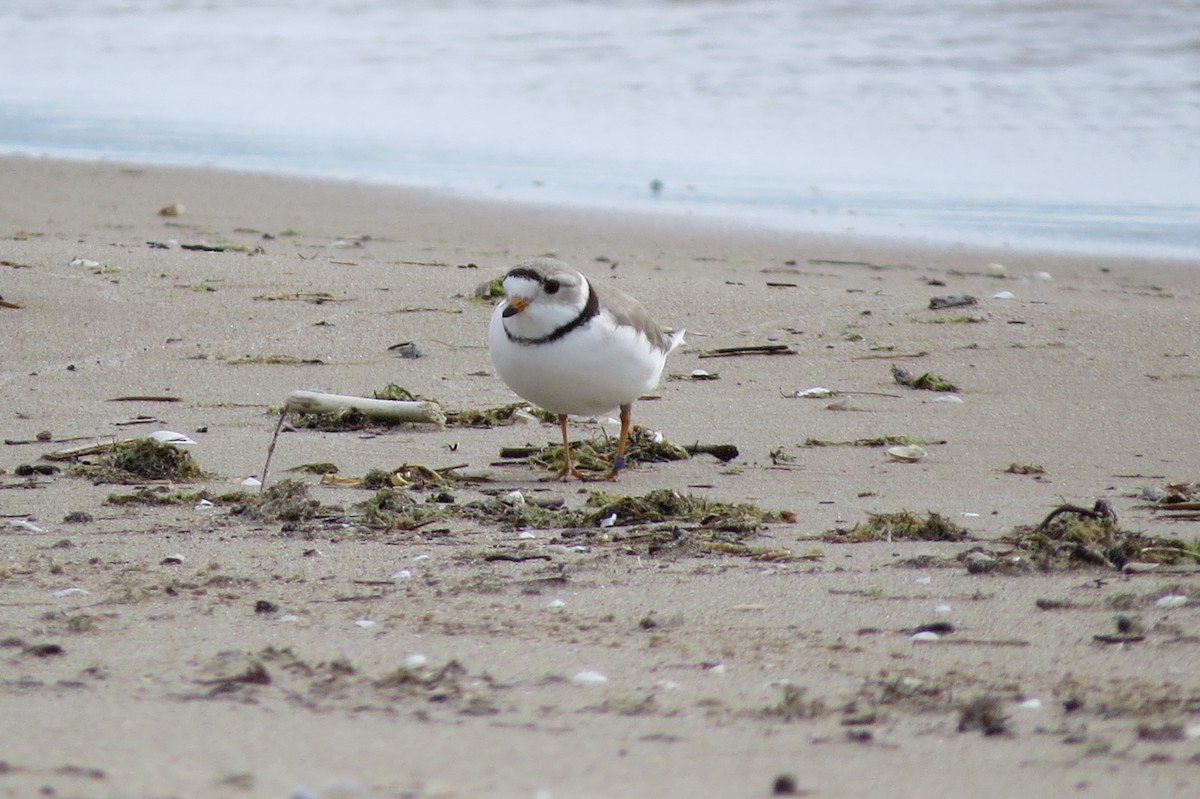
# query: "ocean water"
[1071,125]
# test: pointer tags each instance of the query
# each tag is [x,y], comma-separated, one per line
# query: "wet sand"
[722,671]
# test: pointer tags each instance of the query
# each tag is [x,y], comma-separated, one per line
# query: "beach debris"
[174,209]
[785,785]
[596,454]
[589,677]
[1072,536]
[953,399]
[170,437]
[405,349]
[879,441]
[516,412]
[25,525]
[752,349]
[380,410]
[313,297]
[132,461]
[795,705]
[900,526]
[910,453]
[664,504]
[342,412]
[1025,468]
[1004,295]
[951,301]
[1171,601]
[86,263]
[696,375]
[10,304]
[722,452]
[984,714]
[31,469]
[817,392]
[285,501]
[927,381]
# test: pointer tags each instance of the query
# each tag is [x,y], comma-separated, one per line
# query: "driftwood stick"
[380,409]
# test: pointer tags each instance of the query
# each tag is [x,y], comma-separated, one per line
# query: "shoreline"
[723,669]
[795,221]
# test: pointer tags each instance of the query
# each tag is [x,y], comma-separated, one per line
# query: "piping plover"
[566,347]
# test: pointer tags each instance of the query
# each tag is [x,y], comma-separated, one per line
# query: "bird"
[561,344]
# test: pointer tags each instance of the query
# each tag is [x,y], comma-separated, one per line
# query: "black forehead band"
[528,273]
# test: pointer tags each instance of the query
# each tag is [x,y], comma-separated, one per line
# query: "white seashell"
[943,609]
[71,592]
[717,668]
[89,263]
[667,685]
[969,514]
[204,503]
[589,678]
[816,392]
[402,575]
[925,636]
[1033,703]
[514,498]
[289,617]
[1046,276]
[1004,295]
[700,373]
[524,417]
[909,454]
[416,661]
[997,269]
[1171,601]
[252,482]
[580,549]
[525,535]
[924,579]
[1193,731]
[556,604]
[609,520]
[365,623]
[26,525]
[420,558]
[170,437]
[657,438]
[951,398]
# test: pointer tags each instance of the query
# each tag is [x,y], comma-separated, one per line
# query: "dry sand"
[723,672]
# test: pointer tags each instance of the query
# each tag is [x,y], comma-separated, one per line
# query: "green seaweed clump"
[1079,539]
[664,505]
[901,526]
[142,459]
[597,454]
[285,501]
[393,509]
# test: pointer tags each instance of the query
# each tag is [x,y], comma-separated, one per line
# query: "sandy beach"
[198,648]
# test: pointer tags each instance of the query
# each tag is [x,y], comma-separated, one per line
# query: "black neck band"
[591,308]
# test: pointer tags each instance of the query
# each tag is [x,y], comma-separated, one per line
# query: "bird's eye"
[550,286]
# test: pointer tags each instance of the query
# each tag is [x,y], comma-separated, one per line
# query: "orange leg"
[619,458]
[568,470]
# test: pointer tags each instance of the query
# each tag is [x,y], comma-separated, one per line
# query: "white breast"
[594,368]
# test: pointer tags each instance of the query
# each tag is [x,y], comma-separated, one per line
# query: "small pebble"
[416,661]
[1004,295]
[420,558]
[556,604]
[402,575]
[1032,703]
[942,609]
